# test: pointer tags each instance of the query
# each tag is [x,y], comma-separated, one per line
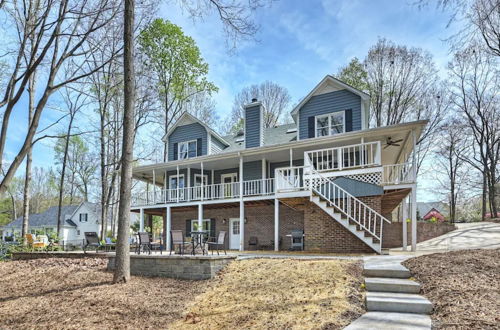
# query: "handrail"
[289,178]
[398,173]
[347,204]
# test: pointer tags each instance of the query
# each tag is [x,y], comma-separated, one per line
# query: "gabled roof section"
[332,81]
[187,118]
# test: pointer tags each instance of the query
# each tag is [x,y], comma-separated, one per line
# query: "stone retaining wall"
[180,267]
[393,233]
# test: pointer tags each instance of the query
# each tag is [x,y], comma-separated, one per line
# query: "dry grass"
[78,294]
[464,287]
[279,294]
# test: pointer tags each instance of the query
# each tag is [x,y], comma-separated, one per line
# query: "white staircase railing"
[355,210]
[398,174]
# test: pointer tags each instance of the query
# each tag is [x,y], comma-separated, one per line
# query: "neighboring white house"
[77,219]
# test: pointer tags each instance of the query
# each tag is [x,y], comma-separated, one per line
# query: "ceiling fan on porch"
[390,142]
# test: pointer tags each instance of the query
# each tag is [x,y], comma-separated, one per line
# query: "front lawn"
[279,294]
[464,287]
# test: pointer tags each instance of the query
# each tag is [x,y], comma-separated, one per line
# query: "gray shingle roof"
[48,218]
[272,135]
[424,208]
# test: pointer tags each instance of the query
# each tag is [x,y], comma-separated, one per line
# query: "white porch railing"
[207,192]
[398,174]
[345,157]
[289,178]
[351,207]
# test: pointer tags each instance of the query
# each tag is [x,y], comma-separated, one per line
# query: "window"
[331,124]
[78,232]
[177,181]
[83,217]
[197,180]
[206,225]
[187,149]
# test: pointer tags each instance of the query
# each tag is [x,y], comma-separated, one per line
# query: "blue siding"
[358,188]
[217,146]
[187,133]
[218,173]
[252,170]
[328,103]
[253,130]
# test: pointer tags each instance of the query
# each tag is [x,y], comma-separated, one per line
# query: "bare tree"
[275,99]
[234,21]
[61,31]
[475,83]
[452,150]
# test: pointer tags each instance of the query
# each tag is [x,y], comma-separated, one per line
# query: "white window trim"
[227,175]
[197,175]
[195,221]
[329,123]
[176,176]
[179,144]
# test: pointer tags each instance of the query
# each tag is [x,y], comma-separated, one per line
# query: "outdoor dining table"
[198,239]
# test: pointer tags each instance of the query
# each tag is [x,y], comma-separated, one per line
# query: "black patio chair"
[177,238]
[92,240]
[217,242]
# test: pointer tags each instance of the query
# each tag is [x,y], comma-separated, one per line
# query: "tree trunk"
[483,204]
[122,265]
[63,170]
[29,159]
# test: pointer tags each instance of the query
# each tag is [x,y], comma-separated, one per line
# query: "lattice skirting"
[373,178]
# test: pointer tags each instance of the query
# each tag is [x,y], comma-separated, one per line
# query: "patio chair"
[253,243]
[108,243]
[33,243]
[177,238]
[219,242]
[91,240]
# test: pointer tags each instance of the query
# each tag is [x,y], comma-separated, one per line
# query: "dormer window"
[330,124]
[187,149]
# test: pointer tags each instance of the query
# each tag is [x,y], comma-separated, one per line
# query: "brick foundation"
[322,233]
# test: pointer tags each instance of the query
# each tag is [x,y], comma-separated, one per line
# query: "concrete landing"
[391,321]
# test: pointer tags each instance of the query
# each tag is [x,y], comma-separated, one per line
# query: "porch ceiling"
[160,211]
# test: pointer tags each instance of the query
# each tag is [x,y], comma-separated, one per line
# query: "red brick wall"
[393,233]
[323,234]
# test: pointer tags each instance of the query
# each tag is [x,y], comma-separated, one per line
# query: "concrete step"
[384,284]
[391,321]
[397,302]
[393,270]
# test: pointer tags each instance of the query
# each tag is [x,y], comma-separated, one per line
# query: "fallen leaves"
[464,287]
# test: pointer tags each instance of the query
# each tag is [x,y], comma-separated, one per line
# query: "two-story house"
[327,174]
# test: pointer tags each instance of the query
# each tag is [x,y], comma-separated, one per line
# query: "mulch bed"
[61,293]
[464,287]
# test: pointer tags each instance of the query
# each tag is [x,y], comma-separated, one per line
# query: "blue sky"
[298,43]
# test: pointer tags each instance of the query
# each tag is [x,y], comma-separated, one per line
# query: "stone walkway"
[392,299]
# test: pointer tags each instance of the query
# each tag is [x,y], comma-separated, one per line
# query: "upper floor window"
[187,149]
[83,217]
[330,124]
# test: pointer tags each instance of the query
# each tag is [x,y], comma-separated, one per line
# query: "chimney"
[254,124]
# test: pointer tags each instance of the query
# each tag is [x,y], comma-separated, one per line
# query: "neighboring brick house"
[327,174]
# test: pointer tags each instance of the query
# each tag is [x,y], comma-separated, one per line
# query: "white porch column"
[189,190]
[141,220]
[154,186]
[276,224]
[178,183]
[202,176]
[242,209]
[200,217]
[414,218]
[264,185]
[405,227]
[169,226]
[291,157]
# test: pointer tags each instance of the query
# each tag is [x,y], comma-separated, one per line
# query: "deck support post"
[405,225]
[276,224]
[154,186]
[169,227]
[200,217]
[141,220]
[414,218]
[242,208]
